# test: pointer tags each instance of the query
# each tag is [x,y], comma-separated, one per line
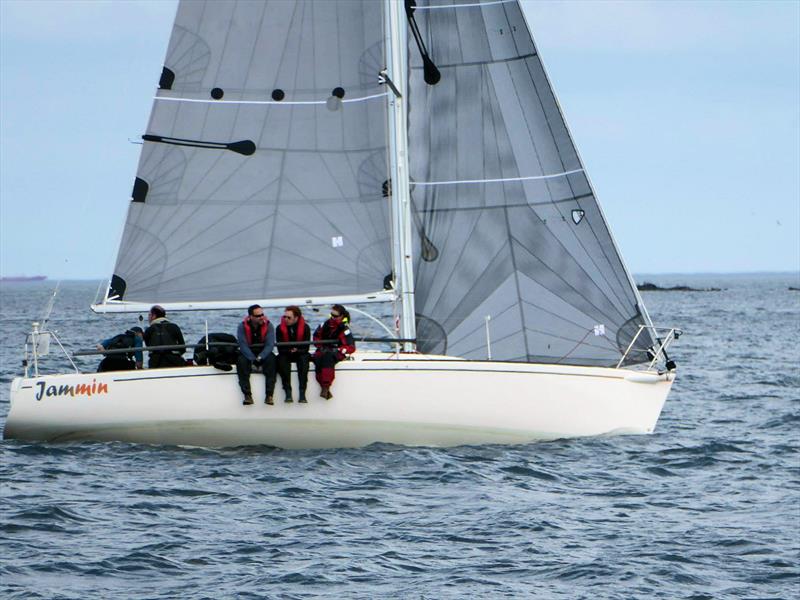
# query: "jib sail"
[507,224]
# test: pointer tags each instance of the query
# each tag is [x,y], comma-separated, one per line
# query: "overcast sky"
[685,113]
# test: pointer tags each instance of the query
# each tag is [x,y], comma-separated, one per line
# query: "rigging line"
[271,102]
[472,5]
[500,180]
[573,348]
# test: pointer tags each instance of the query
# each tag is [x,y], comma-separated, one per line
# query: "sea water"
[707,507]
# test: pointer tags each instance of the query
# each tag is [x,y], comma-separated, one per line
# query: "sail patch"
[577,215]
[140,189]
[217,93]
[116,289]
[167,79]
[337,241]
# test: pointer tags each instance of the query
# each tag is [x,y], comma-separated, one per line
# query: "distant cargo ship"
[21,279]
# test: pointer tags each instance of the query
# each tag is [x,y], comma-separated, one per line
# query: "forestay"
[262,168]
[507,224]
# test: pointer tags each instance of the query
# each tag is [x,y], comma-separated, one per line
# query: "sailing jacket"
[125,340]
[164,333]
[251,341]
[299,332]
[343,343]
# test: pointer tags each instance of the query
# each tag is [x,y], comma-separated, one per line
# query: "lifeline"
[82,389]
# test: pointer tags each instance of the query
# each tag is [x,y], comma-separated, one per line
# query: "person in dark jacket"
[334,343]
[293,328]
[122,361]
[164,333]
[256,337]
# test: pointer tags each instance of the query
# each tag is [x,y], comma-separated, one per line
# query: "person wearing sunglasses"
[334,343]
[256,337]
[293,328]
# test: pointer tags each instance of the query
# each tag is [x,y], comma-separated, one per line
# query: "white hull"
[410,400]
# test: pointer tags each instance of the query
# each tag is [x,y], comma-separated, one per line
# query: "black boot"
[248,399]
[288,392]
[302,397]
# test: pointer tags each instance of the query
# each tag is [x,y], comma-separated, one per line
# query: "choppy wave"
[707,507]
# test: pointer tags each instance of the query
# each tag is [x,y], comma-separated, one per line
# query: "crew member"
[334,343]
[122,361]
[164,333]
[293,328]
[256,337]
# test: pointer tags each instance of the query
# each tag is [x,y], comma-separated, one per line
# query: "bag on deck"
[216,355]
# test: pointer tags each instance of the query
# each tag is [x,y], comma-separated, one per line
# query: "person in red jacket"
[256,337]
[293,328]
[334,343]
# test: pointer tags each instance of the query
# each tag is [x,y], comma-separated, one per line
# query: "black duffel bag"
[222,357]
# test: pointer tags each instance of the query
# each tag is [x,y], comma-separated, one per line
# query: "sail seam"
[500,180]
[270,102]
[498,207]
[472,5]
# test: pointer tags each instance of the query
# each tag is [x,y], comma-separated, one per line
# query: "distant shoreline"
[22,278]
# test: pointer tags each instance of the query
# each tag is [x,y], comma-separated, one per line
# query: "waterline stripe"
[288,102]
[530,178]
[463,5]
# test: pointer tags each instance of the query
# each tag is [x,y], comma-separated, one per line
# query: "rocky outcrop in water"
[652,287]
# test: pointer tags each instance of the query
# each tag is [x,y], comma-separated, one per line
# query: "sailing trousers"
[301,359]
[161,360]
[325,367]
[115,363]
[244,366]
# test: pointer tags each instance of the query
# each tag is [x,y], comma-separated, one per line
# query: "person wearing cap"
[164,333]
[122,361]
[334,343]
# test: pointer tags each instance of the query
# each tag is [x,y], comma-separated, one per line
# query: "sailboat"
[409,153]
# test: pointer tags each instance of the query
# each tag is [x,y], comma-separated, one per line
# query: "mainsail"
[262,167]
[507,224]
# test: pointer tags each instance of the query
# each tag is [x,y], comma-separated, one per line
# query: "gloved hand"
[257,362]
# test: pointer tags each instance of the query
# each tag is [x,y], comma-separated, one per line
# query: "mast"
[397,55]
